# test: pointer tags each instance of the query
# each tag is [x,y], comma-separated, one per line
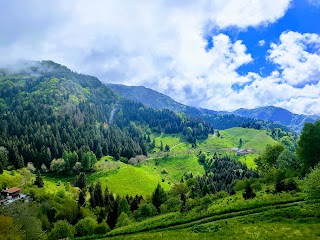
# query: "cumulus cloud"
[294,56]
[261,43]
[160,44]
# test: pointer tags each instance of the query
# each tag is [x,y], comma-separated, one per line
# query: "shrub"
[86,226]
[61,229]
[146,210]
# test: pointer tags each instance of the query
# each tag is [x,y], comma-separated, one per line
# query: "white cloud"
[250,12]
[160,44]
[261,43]
[294,57]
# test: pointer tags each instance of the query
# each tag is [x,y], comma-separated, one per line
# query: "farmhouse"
[11,193]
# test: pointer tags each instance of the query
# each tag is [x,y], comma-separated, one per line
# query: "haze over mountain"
[215,54]
[158,100]
[276,114]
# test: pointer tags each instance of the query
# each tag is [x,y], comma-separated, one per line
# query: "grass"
[234,229]
[176,142]
[128,179]
[143,179]
[252,139]
[228,207]
[177,166]
[249,160]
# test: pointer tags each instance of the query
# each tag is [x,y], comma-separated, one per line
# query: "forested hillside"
[49,112]
[219,120]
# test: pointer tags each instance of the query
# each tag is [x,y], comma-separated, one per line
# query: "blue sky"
[220,55]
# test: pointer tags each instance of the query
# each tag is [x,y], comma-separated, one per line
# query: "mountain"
[147,96]
[48,111]
[276,114]
[219,119]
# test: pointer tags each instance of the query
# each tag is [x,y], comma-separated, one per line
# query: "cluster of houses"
[10,195]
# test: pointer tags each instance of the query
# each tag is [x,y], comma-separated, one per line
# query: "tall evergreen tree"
[98,197]
[39,181]
[81,181]
[113,214]
[82,198]
[159,196]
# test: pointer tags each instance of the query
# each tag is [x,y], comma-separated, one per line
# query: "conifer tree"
[98,198]
[159,196]
[39,181]
[81,181]
[82,198]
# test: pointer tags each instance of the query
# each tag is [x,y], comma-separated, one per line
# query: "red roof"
[11,190]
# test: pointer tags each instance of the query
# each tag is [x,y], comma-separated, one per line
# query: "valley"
[95,165]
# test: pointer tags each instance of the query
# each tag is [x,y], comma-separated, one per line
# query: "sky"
[217,54]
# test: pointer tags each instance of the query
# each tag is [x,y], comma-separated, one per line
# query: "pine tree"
[248,193]
[91,191]
[159,196]
[167,148]
[98,198]
[81,181]
[108,200]
[113,214]
[123,207]
[1,168]
[39,181]
[82,198]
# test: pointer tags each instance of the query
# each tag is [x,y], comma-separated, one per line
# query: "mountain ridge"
[157,100]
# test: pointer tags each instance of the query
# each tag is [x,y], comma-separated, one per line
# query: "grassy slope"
[176,166]
[142,179]
[255,140]
[129,180]
[237,229]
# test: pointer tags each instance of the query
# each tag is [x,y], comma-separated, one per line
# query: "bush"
[61,229]
[311,184]
[285,185]
[146,210]
[123,220]
[86,226]
[102,228]
[249,193]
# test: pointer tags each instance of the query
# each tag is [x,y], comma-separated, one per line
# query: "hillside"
[275,114]
[219,120]
[48,111]
[93,164]
[147,97]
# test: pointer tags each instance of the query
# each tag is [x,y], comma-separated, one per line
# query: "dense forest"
[47,109]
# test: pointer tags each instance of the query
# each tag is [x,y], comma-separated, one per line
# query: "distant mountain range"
[158,100]
[276,114]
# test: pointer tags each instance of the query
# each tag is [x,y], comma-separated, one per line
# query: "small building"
[243,152]
[11,193]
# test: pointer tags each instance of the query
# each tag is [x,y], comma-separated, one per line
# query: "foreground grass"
[296,220]
[211,210]
[237,230]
